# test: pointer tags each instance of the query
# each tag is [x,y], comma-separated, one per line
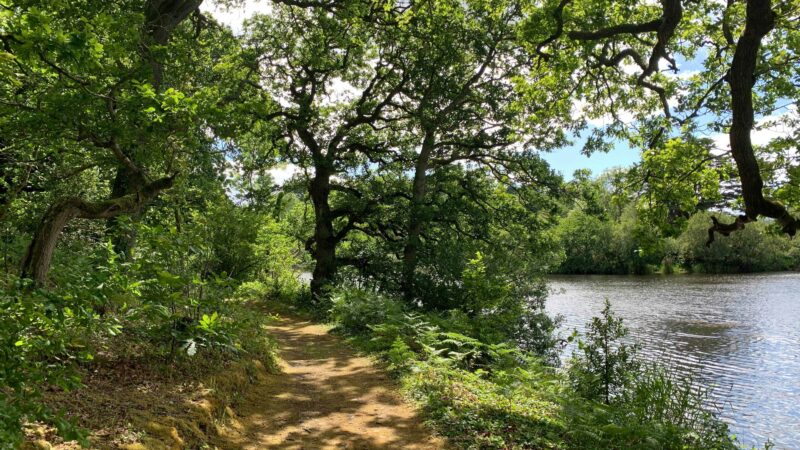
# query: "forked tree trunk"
[39,255]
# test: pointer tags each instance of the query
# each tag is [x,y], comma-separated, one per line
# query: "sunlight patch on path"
[327,397]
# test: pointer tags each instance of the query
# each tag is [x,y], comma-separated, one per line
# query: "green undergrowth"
[62,345]
[493,396]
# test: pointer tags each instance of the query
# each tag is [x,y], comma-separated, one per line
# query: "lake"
[739,333]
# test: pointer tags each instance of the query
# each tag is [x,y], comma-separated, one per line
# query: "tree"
[463,104]
[623,46]
[332,75]
[134,113]
[603,367]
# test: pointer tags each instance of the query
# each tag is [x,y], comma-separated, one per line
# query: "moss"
[39,444]
[168,435]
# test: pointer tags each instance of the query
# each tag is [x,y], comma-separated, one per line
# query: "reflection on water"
[740,333]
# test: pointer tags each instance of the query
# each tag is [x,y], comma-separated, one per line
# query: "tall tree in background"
[464,106]
[331,76]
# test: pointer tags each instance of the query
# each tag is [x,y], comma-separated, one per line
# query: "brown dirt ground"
[326,398]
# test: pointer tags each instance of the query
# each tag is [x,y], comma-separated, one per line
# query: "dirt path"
[327,397]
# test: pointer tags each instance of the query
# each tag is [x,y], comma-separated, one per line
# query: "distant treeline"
[606,231]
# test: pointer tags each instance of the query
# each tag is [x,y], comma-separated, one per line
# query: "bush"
[756,248]
[355,310]
[495,312]
[43,337]
[677,404]
[513,410]
[603,367]
[644,402]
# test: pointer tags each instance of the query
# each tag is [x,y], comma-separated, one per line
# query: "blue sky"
[567,160]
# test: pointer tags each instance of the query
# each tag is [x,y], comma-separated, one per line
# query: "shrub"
[603,367]
[400,355]
[478,412]
[414,329]
[643,403]
[43,337]
[496,312]
[253,290]
[397,334]
[354,310]
[754,249]
[677,404]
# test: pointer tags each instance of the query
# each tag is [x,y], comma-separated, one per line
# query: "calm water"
[741,333]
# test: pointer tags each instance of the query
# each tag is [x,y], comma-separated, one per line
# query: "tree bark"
[760,20]
[161,19]
[324,250]
[122,239]
[39,255]
[415,217]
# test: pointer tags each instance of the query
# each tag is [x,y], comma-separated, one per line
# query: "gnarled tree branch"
[37,259]
[760,20]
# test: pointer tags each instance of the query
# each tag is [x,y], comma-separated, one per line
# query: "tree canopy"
[140,143]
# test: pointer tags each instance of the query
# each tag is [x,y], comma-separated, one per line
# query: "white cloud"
[580,108]
[682,74]
[774,126]
[281,175]
[767,129]
[235,16]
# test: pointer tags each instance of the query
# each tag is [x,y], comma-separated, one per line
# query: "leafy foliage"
[494,396]
[43,336]
[757,248]
[603,368]
[607,230]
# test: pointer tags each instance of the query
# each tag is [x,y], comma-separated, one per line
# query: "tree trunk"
[37,259]
[324,251]
[415,217]
[760,20]
[123,239]
[39,255]
[161,19]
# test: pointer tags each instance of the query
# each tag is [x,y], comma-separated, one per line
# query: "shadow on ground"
[325,397]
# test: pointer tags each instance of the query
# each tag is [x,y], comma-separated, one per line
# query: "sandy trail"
[327,397]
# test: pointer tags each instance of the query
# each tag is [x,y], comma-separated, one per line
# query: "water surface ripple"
[739,333]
